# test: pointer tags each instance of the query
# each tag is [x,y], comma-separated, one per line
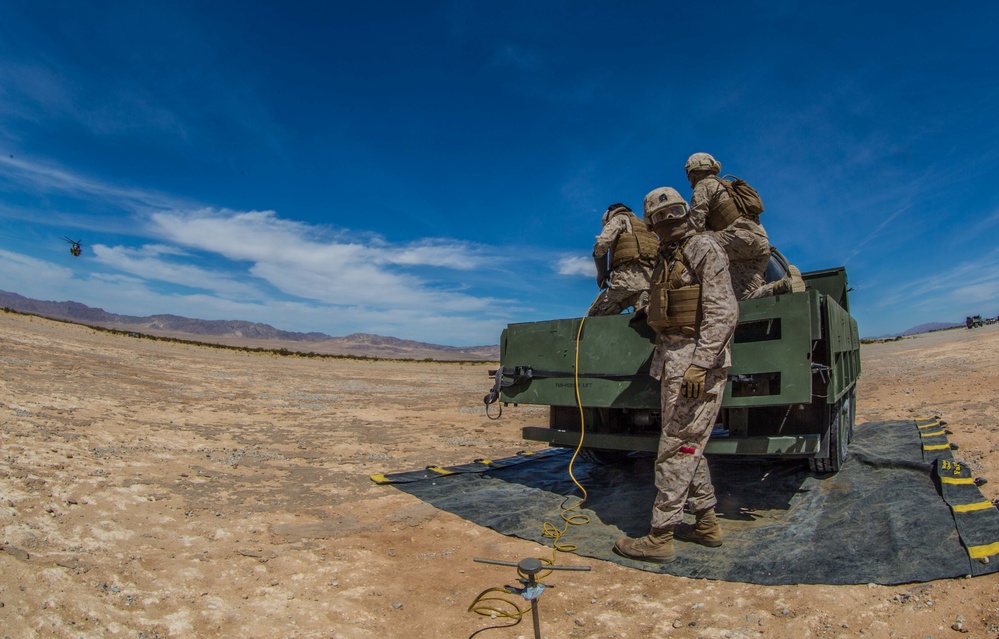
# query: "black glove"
[640,315]
[601,264]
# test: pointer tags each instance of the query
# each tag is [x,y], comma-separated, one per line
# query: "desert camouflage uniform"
[745,241]
[681,472]
[628,284]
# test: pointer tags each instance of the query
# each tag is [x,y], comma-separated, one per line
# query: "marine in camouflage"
[628,283]
[745,241]
[681,473]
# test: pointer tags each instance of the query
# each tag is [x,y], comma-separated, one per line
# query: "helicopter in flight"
[74,246]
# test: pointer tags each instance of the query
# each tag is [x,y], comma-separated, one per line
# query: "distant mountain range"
[254,334]
[250,334]
[932,326]
[922,328]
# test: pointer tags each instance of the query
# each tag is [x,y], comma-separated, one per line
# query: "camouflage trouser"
[797,285]
[682,474]
[614,300]
[748,250]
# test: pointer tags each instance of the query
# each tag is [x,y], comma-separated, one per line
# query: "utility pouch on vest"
[657,317]
[683,310]
[658,299]
[640,245]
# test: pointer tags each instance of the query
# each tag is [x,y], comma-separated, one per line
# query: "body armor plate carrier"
[674,308]
[640,244]
[742,201]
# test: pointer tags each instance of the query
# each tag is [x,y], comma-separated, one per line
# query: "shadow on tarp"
[879,520]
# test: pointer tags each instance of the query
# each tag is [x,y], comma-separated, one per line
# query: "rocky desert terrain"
[154,489]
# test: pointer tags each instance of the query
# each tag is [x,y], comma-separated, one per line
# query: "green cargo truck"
[791,388]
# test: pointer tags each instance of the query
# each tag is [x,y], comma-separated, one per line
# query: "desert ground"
[154,489]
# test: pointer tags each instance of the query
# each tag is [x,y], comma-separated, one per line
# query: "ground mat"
[900,510]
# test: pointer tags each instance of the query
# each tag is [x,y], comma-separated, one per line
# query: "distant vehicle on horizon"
[975,321]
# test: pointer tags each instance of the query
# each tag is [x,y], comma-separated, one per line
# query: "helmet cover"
[665,205]
[702,162]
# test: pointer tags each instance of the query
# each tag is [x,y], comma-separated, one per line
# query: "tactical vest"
[674,308]
[638,244]
[722,211]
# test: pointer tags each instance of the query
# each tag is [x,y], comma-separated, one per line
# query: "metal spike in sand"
[530,567]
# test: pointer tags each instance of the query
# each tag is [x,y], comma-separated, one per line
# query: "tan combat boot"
[783,286]
[797,282]
[705,529]
[657,547]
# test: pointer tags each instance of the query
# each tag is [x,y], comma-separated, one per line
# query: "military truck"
[791,388]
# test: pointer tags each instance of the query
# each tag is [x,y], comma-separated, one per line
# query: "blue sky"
[434,171]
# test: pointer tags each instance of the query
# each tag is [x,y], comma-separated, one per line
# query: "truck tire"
[840,417]
[603,456]
[852,413]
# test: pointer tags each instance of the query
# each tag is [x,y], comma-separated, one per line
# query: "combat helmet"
[702,163]
[665,205]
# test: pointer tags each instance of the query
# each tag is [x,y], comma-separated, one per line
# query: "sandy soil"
[152,489]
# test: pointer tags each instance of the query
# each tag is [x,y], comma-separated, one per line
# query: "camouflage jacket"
[707,265]
[705,193]
[633,276]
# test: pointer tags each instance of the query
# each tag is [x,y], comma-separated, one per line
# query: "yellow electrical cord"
[503,608]
[548,529]
[578,519]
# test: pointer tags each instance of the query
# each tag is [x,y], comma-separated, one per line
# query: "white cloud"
[47,179]
[33,277]
[442,253]
[297,259]
[147,264]
[582,266]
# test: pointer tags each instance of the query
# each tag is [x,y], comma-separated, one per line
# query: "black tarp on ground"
[881,519]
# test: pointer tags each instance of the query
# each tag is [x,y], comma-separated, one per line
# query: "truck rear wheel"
[852,413]
[603,456]
[840,418]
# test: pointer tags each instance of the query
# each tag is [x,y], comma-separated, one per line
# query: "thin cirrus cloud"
[45,179]
[295,258]
[151,263]
[960,285]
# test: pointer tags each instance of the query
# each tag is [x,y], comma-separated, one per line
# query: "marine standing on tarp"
[694,311]
[741,235]
[624,253]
